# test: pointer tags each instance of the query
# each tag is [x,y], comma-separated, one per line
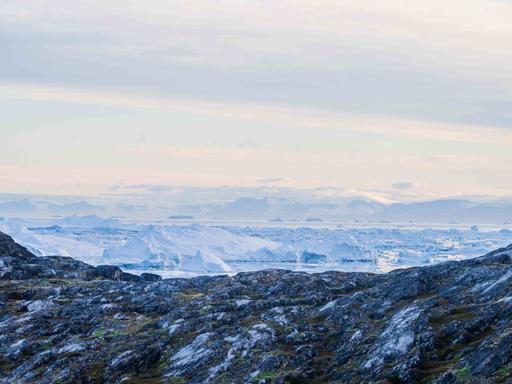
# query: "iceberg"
[145,250]
[50,243]
[203,262]
[89,221]
[195,249]
[22,235]
[311,245]
[179,247]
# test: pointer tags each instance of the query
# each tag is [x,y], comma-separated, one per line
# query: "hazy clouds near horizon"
[356,94]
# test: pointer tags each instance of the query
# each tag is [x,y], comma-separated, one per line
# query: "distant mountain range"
[464,211]
[435,211]
[446,211]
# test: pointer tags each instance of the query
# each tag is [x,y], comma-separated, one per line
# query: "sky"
[411,98]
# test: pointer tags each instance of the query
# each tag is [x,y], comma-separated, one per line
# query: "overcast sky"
[408,96]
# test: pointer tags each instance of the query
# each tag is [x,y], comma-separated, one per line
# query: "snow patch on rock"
[329,305]
[40,305]
[498,282]
[397,337]
[191,354]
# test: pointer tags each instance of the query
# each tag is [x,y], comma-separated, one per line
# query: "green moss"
[319,319]
[99,333]
[504,372]
[250,321]
[457,314]
[152,377]
[177,380]
[191,293]
[223,378]
[62,301]
[434,368]
[162,364]
[46,346]
[137,325]
[269,375]
[462,374]
[96,370]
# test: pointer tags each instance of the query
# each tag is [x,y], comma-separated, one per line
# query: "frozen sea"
[185,248]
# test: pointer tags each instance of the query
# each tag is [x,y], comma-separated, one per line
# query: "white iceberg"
[89,221]
[202,262]
[178,247]
[22,235]
[146,250]
[50,244]
[310,245]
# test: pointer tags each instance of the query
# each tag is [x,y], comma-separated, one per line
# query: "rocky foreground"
[63,321]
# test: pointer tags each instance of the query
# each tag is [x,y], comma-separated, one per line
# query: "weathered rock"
[11,249]
[63,321]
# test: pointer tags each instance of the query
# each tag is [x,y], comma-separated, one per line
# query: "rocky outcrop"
[63,321]
[11,249]
[17,263]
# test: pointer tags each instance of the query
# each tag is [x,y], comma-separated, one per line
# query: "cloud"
[115,187]
[272,180]
[403,185]
[152,188]
[444,61]
[284,115]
